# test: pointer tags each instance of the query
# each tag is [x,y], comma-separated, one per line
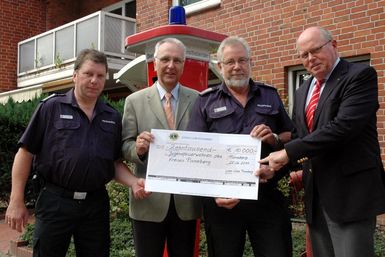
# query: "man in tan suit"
[160,217]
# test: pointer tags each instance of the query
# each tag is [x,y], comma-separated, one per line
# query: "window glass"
[26,56]
[125,8]
[193,6]
[87,34]
[187,2]
[130,9]
[64,48]
[44,51]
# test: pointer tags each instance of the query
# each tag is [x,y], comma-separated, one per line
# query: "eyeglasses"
[167,60]
[232,62]
[305,55]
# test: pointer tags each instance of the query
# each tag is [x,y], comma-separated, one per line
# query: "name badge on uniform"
[220,109]
[264,105]
[109,121]
[66,117]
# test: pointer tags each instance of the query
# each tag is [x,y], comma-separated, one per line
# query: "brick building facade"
[271,28]
[19,20]
[22,19]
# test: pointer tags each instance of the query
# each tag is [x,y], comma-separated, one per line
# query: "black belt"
[76,195]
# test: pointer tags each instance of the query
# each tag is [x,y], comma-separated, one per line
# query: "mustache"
[237,82]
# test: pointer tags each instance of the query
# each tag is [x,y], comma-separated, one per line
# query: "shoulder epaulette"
[109,105]
[51,96]
[265,85]
[209,90]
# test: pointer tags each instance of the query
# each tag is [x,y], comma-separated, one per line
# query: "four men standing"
[335,140]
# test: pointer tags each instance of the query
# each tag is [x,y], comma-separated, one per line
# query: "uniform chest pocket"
[108,128]
[265,115]
[266,110]
[223,121]
[67,133]
[107,140]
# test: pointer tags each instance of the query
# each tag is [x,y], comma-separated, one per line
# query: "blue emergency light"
[177,15]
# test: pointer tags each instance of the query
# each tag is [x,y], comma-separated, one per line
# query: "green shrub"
[379,241]
[14,119]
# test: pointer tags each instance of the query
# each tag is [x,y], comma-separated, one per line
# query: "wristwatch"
[278,141]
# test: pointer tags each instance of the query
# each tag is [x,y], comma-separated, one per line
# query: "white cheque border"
[163,175]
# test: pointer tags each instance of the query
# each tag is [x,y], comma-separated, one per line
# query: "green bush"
[14,119]
[122,241]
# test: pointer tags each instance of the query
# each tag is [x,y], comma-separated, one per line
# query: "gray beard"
[237,83]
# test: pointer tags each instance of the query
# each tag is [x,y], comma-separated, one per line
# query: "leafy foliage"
[118,200]
[14,119]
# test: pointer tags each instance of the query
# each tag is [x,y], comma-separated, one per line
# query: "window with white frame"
[125,8]
[192,6]
[297,75]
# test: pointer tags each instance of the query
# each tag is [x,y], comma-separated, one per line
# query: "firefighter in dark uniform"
[242,106]
[73,141]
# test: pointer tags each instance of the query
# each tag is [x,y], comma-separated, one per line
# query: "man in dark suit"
[160,217]
[335,117]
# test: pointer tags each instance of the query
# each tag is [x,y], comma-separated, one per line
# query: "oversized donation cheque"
[203,164]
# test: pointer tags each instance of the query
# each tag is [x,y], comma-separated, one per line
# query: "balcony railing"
[101,30]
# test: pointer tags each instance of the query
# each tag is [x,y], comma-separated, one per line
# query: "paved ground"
[7,234]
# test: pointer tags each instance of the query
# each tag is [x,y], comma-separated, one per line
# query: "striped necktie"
[310,109]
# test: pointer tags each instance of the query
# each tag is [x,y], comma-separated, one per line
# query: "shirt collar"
[330,73]
[69,98]
[162,91]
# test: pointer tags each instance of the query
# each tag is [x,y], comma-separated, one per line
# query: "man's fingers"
[264,160]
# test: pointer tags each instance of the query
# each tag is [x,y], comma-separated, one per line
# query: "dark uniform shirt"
[70,150]
[216,110]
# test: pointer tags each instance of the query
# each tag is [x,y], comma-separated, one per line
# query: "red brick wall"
[91,6]
[19,20]
[272,26]
[151,13]
[60,12]
[37,16]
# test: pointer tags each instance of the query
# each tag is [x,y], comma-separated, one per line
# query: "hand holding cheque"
[205,164]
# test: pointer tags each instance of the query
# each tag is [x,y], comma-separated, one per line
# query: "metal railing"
[54,48]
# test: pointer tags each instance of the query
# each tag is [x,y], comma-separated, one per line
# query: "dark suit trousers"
[332,239]
[150,237]
[58,218]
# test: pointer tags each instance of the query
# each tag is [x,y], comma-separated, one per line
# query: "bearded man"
[241,106]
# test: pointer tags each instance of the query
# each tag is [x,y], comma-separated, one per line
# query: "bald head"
[318,51]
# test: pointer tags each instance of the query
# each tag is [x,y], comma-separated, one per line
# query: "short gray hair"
[172,41]
[230,41]
[326,34]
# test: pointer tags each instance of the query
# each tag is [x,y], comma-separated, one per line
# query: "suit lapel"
[301,103]
[183,104]
[339,71]
[153,101]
